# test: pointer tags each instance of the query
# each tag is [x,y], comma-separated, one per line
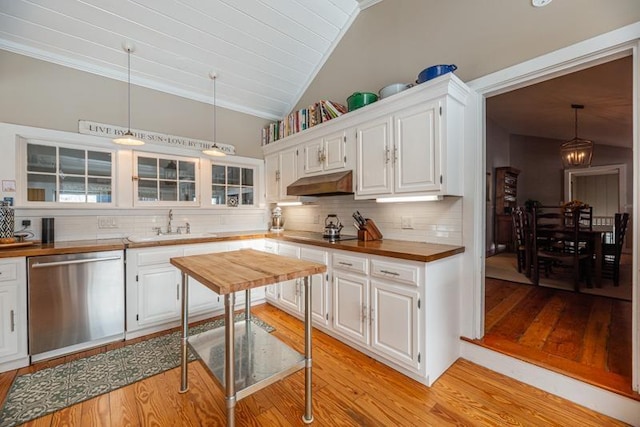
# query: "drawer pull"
[348,264]
[13,321]
[392,273]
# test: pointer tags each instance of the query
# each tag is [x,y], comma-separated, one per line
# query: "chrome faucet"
[169,224]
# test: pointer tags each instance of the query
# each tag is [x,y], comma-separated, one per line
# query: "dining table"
[242,357]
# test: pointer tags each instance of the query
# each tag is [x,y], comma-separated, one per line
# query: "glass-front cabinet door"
[70,175]
[232,186]
[165,180]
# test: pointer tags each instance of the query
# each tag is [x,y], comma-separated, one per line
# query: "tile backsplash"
[433,222]
[87,225]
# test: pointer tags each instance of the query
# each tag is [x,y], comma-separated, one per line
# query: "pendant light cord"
[214,109]
[129,87]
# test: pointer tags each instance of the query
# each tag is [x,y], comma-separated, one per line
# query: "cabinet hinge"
[418,303]
[327,277]
[137,318]
[344,138]
[327,316]
[419,357]
[441,110]
[136,277]
[440,179]
[345,159]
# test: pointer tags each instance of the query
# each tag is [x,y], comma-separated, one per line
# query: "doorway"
[550,327]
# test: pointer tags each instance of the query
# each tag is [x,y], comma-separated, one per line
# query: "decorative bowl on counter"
[360,99]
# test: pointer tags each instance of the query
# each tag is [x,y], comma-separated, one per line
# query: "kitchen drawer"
[8,271]
[399,272]
[350,263]
[158,257]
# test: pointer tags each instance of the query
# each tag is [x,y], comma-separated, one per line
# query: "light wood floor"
[584,336]
[350,389]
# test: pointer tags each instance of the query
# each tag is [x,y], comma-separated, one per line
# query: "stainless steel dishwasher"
[76,301]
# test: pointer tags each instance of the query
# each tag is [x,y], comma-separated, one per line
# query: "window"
[69,175]
[167,179]
[232,185]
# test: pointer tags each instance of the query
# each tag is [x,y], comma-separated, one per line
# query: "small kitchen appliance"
[332,227]
[277,221]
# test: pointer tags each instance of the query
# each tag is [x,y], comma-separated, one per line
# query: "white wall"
[41,94]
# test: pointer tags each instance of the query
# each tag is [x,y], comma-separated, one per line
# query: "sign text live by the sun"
[111,131]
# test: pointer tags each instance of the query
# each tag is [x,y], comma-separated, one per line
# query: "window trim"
[23,174]
[160,203]
[256,184]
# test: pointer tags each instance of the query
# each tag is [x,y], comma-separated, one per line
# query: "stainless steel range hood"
[323,185]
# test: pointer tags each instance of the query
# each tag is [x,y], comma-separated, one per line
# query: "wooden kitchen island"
[242,357]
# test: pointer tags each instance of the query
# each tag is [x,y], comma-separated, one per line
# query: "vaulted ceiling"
[264,52]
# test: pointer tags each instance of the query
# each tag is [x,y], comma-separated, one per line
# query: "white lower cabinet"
[13,314]
[154,299]
[402,313]
[381,314]
[289,295]
[394,322]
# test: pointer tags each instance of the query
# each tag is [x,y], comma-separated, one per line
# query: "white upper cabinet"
[325,154]
[407,144]
[281,170]
[374,158]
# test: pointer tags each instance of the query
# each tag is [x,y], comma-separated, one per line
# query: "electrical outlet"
[26,223]
[107,222]
[406,222]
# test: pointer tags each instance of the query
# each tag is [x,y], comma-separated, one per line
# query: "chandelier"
[577,152]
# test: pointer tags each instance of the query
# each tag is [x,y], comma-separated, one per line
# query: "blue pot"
[435,71]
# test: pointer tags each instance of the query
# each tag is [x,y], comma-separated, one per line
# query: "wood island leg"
[229,365]
[307,418]
[184,355]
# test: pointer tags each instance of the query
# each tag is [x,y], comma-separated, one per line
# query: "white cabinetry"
[281,170]
[376,309]
[327,153]
[401,154]
[406,145]
[13,314]
[153,287]
[289,295]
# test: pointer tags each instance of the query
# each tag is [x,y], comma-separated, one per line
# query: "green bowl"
[360,99]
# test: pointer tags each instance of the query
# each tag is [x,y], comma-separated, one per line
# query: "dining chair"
[612,252]
[554,241]
[520,229]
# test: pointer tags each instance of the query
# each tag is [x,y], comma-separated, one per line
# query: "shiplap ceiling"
[264,52]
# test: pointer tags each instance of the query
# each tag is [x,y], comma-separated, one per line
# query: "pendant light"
[214,150]
[576,153]
[128,138]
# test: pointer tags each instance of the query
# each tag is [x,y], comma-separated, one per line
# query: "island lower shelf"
[260,358]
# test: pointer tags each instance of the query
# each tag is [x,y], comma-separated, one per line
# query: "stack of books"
[303,119]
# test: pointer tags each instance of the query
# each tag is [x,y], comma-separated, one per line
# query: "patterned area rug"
[48,390]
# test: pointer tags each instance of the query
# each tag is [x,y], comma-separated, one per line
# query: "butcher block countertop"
[227,272]
[60,248]
[413,251]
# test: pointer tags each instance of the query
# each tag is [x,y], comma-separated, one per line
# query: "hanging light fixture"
[128,138]
[214,150]
[577,152]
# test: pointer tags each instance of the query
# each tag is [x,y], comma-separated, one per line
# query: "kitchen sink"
[161,237]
